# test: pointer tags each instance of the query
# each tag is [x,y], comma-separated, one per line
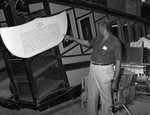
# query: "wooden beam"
[95,7]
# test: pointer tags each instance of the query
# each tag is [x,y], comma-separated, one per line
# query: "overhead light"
[114,26]
[146,1]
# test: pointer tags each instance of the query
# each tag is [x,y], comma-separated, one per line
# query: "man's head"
[104,26]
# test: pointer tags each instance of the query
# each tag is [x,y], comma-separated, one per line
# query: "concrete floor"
[140,106]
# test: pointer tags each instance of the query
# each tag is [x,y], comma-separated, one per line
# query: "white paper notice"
[36,36]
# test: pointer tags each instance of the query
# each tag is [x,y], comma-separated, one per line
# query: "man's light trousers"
[99,83]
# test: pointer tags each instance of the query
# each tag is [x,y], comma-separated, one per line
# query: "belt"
[102,64]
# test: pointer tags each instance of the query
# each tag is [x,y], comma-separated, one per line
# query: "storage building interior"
[48,80]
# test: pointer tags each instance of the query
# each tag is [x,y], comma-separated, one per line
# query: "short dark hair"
[107,25]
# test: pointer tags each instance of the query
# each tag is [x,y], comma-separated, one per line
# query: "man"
[102,79]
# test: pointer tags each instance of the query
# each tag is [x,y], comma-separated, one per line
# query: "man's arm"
[117,68]
[80,41]
[115,81]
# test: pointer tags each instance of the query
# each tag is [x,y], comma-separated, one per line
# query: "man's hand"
[114,86]
[67,37]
